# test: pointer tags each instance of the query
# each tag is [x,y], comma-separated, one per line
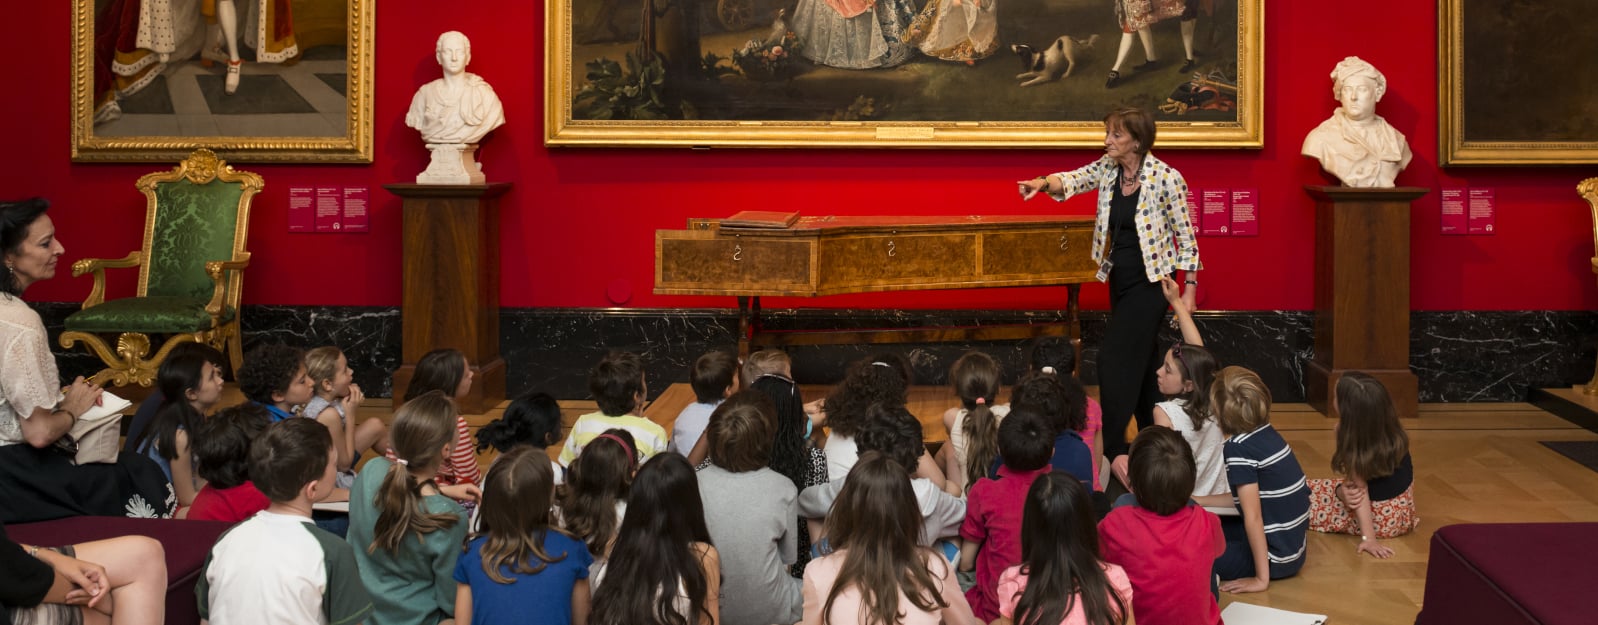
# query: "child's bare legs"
[136,568]
[371,434]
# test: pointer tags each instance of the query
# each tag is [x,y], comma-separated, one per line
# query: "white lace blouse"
[28,376]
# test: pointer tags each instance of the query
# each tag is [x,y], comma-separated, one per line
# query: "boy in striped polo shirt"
[1267,485]
[617,383]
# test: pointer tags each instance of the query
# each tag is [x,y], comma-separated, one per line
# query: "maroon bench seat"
[1512,574]
[186,544]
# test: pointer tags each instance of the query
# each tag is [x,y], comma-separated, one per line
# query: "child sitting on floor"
[1376,498]
[1267,542]
[278,567]
[274,377]
[992,527]
[973,426]
[406,531]
[617,383]
[713,377]
[518,564]
[335,400]
[1166,543]
[222,454]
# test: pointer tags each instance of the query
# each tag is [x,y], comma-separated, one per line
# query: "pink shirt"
[1095,423]
[993,518]
[1013,583]
[1168,559]
[821,573]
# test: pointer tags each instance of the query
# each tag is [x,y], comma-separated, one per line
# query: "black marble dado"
[552,349]
[369,337]
[1458,356]
[1499,355]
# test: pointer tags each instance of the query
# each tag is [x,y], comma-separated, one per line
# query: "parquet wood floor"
[1474,463]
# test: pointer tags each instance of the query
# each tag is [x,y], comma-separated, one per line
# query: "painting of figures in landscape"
[900,72]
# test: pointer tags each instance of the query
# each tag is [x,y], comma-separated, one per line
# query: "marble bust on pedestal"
[1356,144]
[453,114]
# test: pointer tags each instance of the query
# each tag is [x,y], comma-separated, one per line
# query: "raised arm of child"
[1248,499]
[1184,315]
[1356,495]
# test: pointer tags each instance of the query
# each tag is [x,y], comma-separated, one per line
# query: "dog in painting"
[1053,63]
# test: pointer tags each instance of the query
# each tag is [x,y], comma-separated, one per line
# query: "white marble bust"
[453,114]
[1356,144]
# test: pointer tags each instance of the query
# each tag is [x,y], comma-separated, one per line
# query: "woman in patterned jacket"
[1142,233]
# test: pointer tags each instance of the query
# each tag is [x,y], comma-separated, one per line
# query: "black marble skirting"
[1458,356]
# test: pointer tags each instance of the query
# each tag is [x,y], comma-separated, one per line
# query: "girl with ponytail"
[974,425]
[407,533]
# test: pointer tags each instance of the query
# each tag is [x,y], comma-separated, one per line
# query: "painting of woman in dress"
[957,30]
[855,34]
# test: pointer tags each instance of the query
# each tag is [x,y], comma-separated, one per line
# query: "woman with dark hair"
[447,371]
[39,478]
[1142,233]
[663,569]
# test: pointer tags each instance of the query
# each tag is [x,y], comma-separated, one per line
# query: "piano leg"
[745,328]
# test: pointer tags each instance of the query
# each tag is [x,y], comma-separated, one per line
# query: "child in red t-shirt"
[222,447]
[1166,542]
[993,509]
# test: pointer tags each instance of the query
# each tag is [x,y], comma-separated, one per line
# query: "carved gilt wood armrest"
[217,270]
[98,266]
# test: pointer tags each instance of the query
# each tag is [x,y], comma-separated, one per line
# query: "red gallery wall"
[580,221]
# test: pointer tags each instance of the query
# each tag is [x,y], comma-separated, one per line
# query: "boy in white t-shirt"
[714,377]
[277,566]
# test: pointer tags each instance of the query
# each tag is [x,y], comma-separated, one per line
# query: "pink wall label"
[329,212]
[302,209]
[1217,212]
[1245,213]
[355,199]
[1481,208]
[1453,220]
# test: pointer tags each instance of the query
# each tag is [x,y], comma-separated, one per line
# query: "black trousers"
[1129,354]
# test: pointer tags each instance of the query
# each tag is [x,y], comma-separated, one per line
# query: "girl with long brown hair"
[517,563]
[877,574]
[407,535]
[593,501]
[1376,496]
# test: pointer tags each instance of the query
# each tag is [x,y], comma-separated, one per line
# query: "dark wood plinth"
[451,274]
[1362,292]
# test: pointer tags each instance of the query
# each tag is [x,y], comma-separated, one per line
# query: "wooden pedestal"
[1362,292]
[451,273]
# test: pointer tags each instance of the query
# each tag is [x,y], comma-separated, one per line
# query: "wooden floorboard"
[1474,463]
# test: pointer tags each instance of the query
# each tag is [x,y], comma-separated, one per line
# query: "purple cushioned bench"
[1512,574]
[186,544]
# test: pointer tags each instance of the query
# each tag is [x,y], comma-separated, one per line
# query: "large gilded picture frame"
[253,80]
[899,73]
[1513,87]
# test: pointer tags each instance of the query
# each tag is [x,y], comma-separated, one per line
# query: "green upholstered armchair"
[190,272]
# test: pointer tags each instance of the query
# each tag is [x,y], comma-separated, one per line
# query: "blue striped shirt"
[1263,457]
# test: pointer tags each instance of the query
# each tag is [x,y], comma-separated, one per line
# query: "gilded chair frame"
[1588,189]
[130,362]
